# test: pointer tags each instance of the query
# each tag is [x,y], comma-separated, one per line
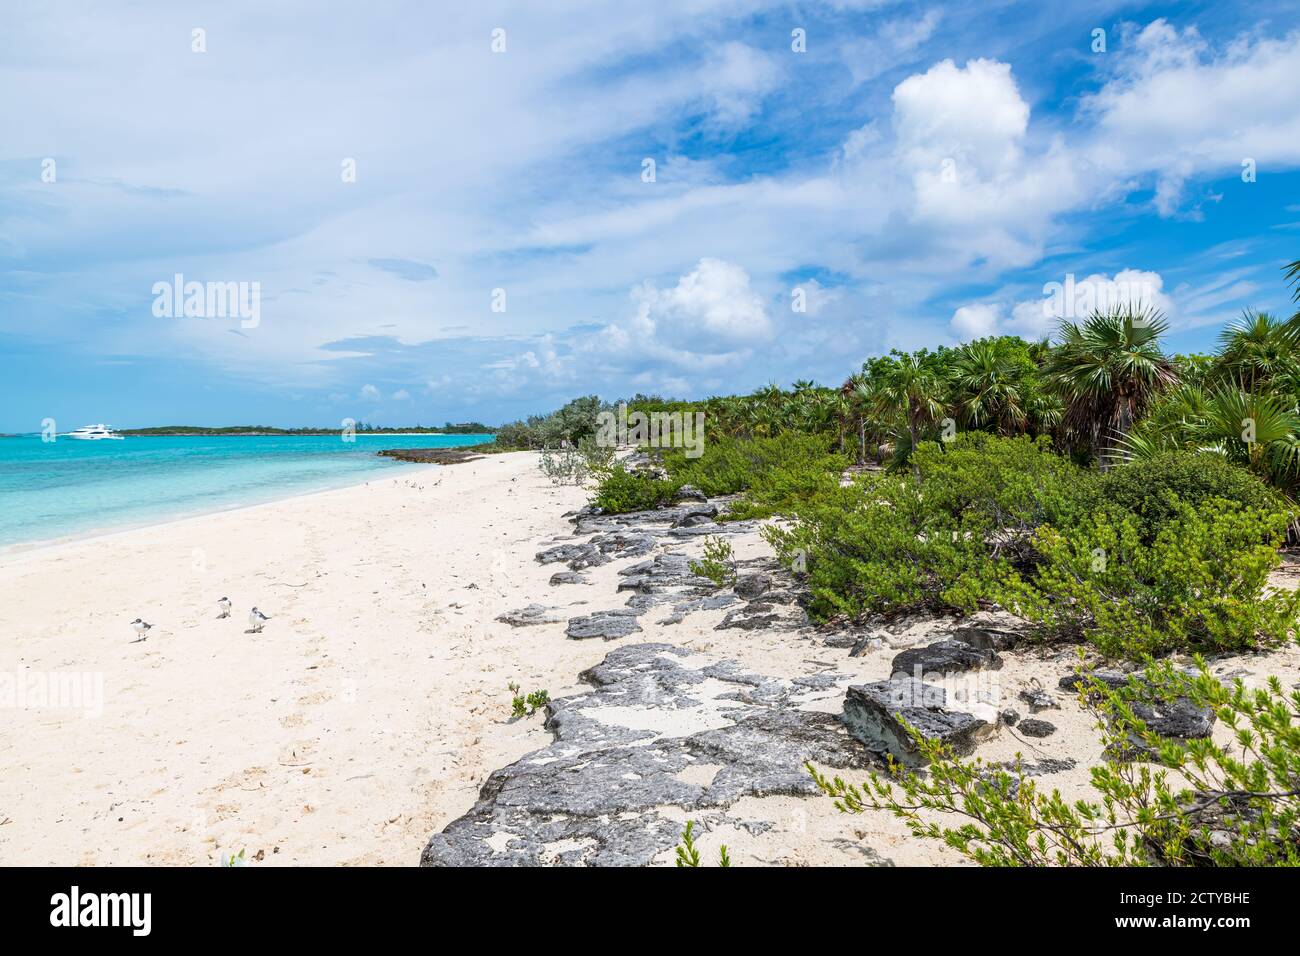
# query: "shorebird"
[141,628]
[224,607]
[255,620]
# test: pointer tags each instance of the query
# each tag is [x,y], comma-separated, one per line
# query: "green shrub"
[1200,582]
[718,563]
[940,538]
[689,857]
[1152,490]
[621,490]
[730,465]
[1227,805]
[526,706]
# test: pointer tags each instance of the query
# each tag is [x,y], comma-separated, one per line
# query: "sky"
[443,212]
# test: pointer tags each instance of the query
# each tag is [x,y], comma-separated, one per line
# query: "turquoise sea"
[65,488]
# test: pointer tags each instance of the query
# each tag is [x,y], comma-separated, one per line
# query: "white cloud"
[1176,108]
[977,320]
[369,393]
[1065,298]
[401,395]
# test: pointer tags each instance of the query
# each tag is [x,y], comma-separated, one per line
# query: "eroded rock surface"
[662,728]
[877,713]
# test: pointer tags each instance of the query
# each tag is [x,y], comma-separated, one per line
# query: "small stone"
[944,657]
[529,616]
[1031,727]
[609,625]
[750,586]
[568,577]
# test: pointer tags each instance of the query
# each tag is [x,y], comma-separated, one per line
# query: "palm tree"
[913,390]
[1257,349]
[1107,371]
[1258,432]
[989,388]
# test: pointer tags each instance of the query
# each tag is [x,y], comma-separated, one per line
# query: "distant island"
[464,428]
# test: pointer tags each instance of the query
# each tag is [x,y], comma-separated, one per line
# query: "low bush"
[1153,490]
[938,538]
[1198,580]
[574,464]
[731,465]
[621,490]
[718,562]
[1232,804]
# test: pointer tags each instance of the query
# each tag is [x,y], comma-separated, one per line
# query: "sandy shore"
[374,705]
[365,715]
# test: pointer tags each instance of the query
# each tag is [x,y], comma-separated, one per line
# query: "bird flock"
[256,620]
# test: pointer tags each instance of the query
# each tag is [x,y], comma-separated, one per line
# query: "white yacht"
[93,433]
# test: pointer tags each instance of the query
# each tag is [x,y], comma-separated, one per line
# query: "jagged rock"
[529,616]
[992,631]
[624,543]
[620,622]
[750,586]
[658,730]
[1038,699]
[944,657]
[665,571]
[710,603]
[1009,716]
[690,492]
[1179,719]
[1032,727]
[726,527]
[568,577]
[749,618]
[694,521]
[578,556]
[876,713]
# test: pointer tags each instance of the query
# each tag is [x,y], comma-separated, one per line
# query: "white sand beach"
[373,706]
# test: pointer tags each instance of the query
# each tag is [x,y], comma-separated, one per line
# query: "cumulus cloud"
[1068,298]
[369,393]
[1177,108]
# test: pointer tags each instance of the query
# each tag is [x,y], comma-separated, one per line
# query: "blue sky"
[920,173]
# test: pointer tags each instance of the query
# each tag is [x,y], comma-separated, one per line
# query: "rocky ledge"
[663,728]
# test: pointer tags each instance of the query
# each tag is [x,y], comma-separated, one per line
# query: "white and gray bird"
[224,607]
[255,620]
[141,629]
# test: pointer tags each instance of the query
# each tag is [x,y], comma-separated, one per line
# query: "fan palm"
[912,389]
[989,388]
[1257,349]
[1107,371]
[1259,432]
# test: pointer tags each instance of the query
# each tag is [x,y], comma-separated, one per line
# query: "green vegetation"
[574,464]
[718,563]
[621,490]
[1201,804]
[688,856]
[938,536]
[526,706]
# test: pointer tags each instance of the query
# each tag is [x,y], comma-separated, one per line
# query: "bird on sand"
[141,629]
[255,620]
[224,607]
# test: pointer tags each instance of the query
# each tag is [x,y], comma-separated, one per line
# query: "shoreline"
[40,545]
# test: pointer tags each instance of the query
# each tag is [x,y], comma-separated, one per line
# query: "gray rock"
[1009,716]
[531,615]
[593,796]
[568,577]
[1179,719]
[877,713]
[751,617]
[944,657]
[620,622]
[750,586]
[1038,700]
[690,492]
[1032,727]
